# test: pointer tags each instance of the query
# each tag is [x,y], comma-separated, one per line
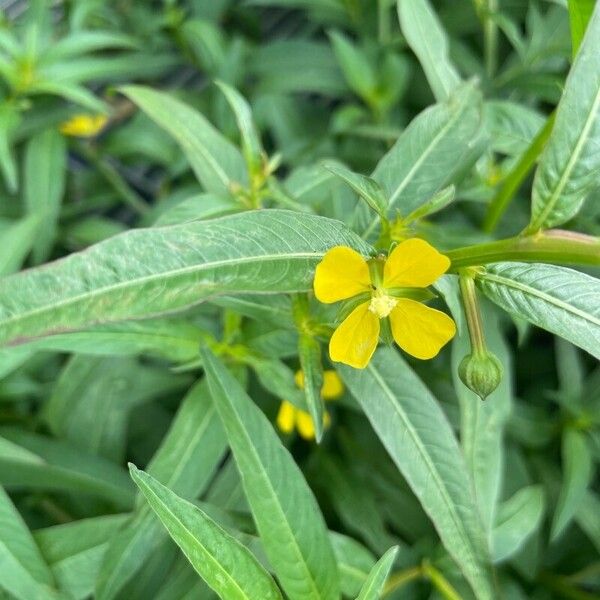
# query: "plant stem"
[472,313]
[551,246]
[490,38]
[515,178]
[561,586]
[401,578]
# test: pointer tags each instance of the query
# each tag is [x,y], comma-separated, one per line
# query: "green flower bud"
[481,372]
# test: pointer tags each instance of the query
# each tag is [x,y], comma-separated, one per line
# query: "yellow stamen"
[382,304]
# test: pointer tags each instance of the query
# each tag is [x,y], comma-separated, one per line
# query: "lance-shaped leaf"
[570,162]
[224,563]
[518,518]
[429,42]
[32,461]
[419,439]
[373,586]
[74,551]
[287,516]
[482,423]
[560,300]
[438,146]
[309,352]
[148,272]
[23,572]
[45,169]
[253,151]
[185,462]
[577,468]
[580,12]
[217,163]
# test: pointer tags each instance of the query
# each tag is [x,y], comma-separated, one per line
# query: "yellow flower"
[386,288]
[290,417]
[84,125]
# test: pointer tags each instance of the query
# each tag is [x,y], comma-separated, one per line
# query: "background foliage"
[167,326]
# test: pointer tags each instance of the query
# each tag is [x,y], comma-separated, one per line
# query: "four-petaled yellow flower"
[387,286]
[84,125]
[290,417]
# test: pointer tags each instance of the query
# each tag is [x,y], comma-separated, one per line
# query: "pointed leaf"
[429,42]
[227,566]
[217,163]
[577,469]
[23,572]
[568,167]
[286,513]
[518,518]
[419,439]
[147,272]
[373,586]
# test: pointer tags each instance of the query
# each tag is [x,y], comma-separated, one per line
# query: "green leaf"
[16,240]
[201,206]
[569,164]
[44,186]
[588,517]
[518,518]
[23,572]
[216,162]
[368,189]
[31,461]
[93,397]
[483,423]
[580,12]
[75,550]
[185,462]
[357,69]
[286,513]
[354,562]
[560,300]
[429,42]
[309,353]
[9,119]
[144,273]
[432,152]
[251,145]
[577,469]
[226,565]
[419,439]
[373,586]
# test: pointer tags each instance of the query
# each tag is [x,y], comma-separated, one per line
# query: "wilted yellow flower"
[84,125]
[386,287]
[290,417]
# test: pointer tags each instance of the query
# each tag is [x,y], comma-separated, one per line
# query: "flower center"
[381,304]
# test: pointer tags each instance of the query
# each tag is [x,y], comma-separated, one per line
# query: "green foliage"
[172,174]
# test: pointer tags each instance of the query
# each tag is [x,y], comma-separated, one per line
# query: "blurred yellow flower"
[386,288]
[84,125]
[290,417]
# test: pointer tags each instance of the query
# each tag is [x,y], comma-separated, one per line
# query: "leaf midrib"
[193,537]
[562,182]
[262,474]
[156,276]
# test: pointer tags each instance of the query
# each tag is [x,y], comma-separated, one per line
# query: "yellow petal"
[286,417]
[414,263]
[305,425]
[84,125]
[341,274]
[355,340]
[332,385]
[419,330]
